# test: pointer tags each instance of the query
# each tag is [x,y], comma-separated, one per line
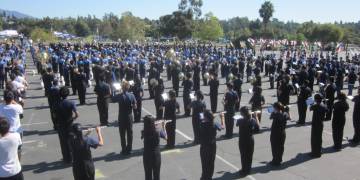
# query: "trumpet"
[231,76]
[181,76]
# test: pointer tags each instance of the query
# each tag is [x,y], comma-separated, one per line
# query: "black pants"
[229,125]
[213,102]
[73,87]
[137,111]
[316,139]
[103,107]
[170,131]
[356,123]
[152,164]
[64,144]
[277,146]
[196,128]
[126,135]
[159,111]
[84,171]
[246,148]
[19,176]
[82,93]
[338,133]
[330,105]
[187,101]
[207,155]
[302,112]
[2,80]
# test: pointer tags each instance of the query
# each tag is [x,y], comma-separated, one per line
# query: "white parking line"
[217,156]
[35,123]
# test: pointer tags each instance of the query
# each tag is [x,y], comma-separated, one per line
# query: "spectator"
[10,168]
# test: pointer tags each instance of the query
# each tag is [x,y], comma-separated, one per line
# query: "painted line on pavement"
[217,156]
[35,123]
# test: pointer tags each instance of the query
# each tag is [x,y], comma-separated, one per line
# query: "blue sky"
[286,10]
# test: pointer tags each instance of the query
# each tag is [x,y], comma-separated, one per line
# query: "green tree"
[130,27]
[81,28]
[178,24]
[209,29]
[192,7]
[42,35]
[327,33]
[266,12]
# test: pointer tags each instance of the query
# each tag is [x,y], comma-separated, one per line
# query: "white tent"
[9,33]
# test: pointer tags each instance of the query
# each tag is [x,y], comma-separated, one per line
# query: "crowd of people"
[120,71]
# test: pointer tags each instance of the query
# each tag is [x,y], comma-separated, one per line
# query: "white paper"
[165,96]
[117,86]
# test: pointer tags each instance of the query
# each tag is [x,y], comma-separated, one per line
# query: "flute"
[93,128]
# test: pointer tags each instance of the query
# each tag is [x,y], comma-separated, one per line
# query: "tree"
[179,24]
[130,27]
[327,33]
[81,28]
[39,34]
[209,29]
[266,12]
[192,7]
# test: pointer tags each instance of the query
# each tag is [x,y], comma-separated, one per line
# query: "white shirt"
[17,86]
[21,80]
[9,160]
[12,114]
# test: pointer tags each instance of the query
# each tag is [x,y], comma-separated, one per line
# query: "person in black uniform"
[196,76]
[356,119]
[330,97]
[278,134]
[65,114]
[188,84]
[247,126]
[102,90]
[319,111]
[305,93]
[257,101]
[48,79]
[153,75]
[214,87]
[73,70]
[171,107]
[54,101]
[338,121]
[138,92]
[207,132]
[198,107]
[237,87]
[351,78]
[151,154]
[158,100]
[284,91]
[83,165]
[81,85]
[175,71]
[230,99]
[126,103]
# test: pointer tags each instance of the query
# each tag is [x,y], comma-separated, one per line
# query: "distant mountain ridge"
[16,14]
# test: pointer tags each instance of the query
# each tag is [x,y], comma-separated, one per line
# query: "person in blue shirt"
[127,103]
[66,113]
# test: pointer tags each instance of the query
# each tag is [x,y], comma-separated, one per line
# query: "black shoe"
[243,173]
[273,163]
[354,142]
[300,123]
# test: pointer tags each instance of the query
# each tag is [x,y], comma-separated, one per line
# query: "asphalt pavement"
[41,159]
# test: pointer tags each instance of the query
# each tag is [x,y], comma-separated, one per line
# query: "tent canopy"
[9,33]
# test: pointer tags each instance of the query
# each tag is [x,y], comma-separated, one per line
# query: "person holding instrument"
[83,165]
